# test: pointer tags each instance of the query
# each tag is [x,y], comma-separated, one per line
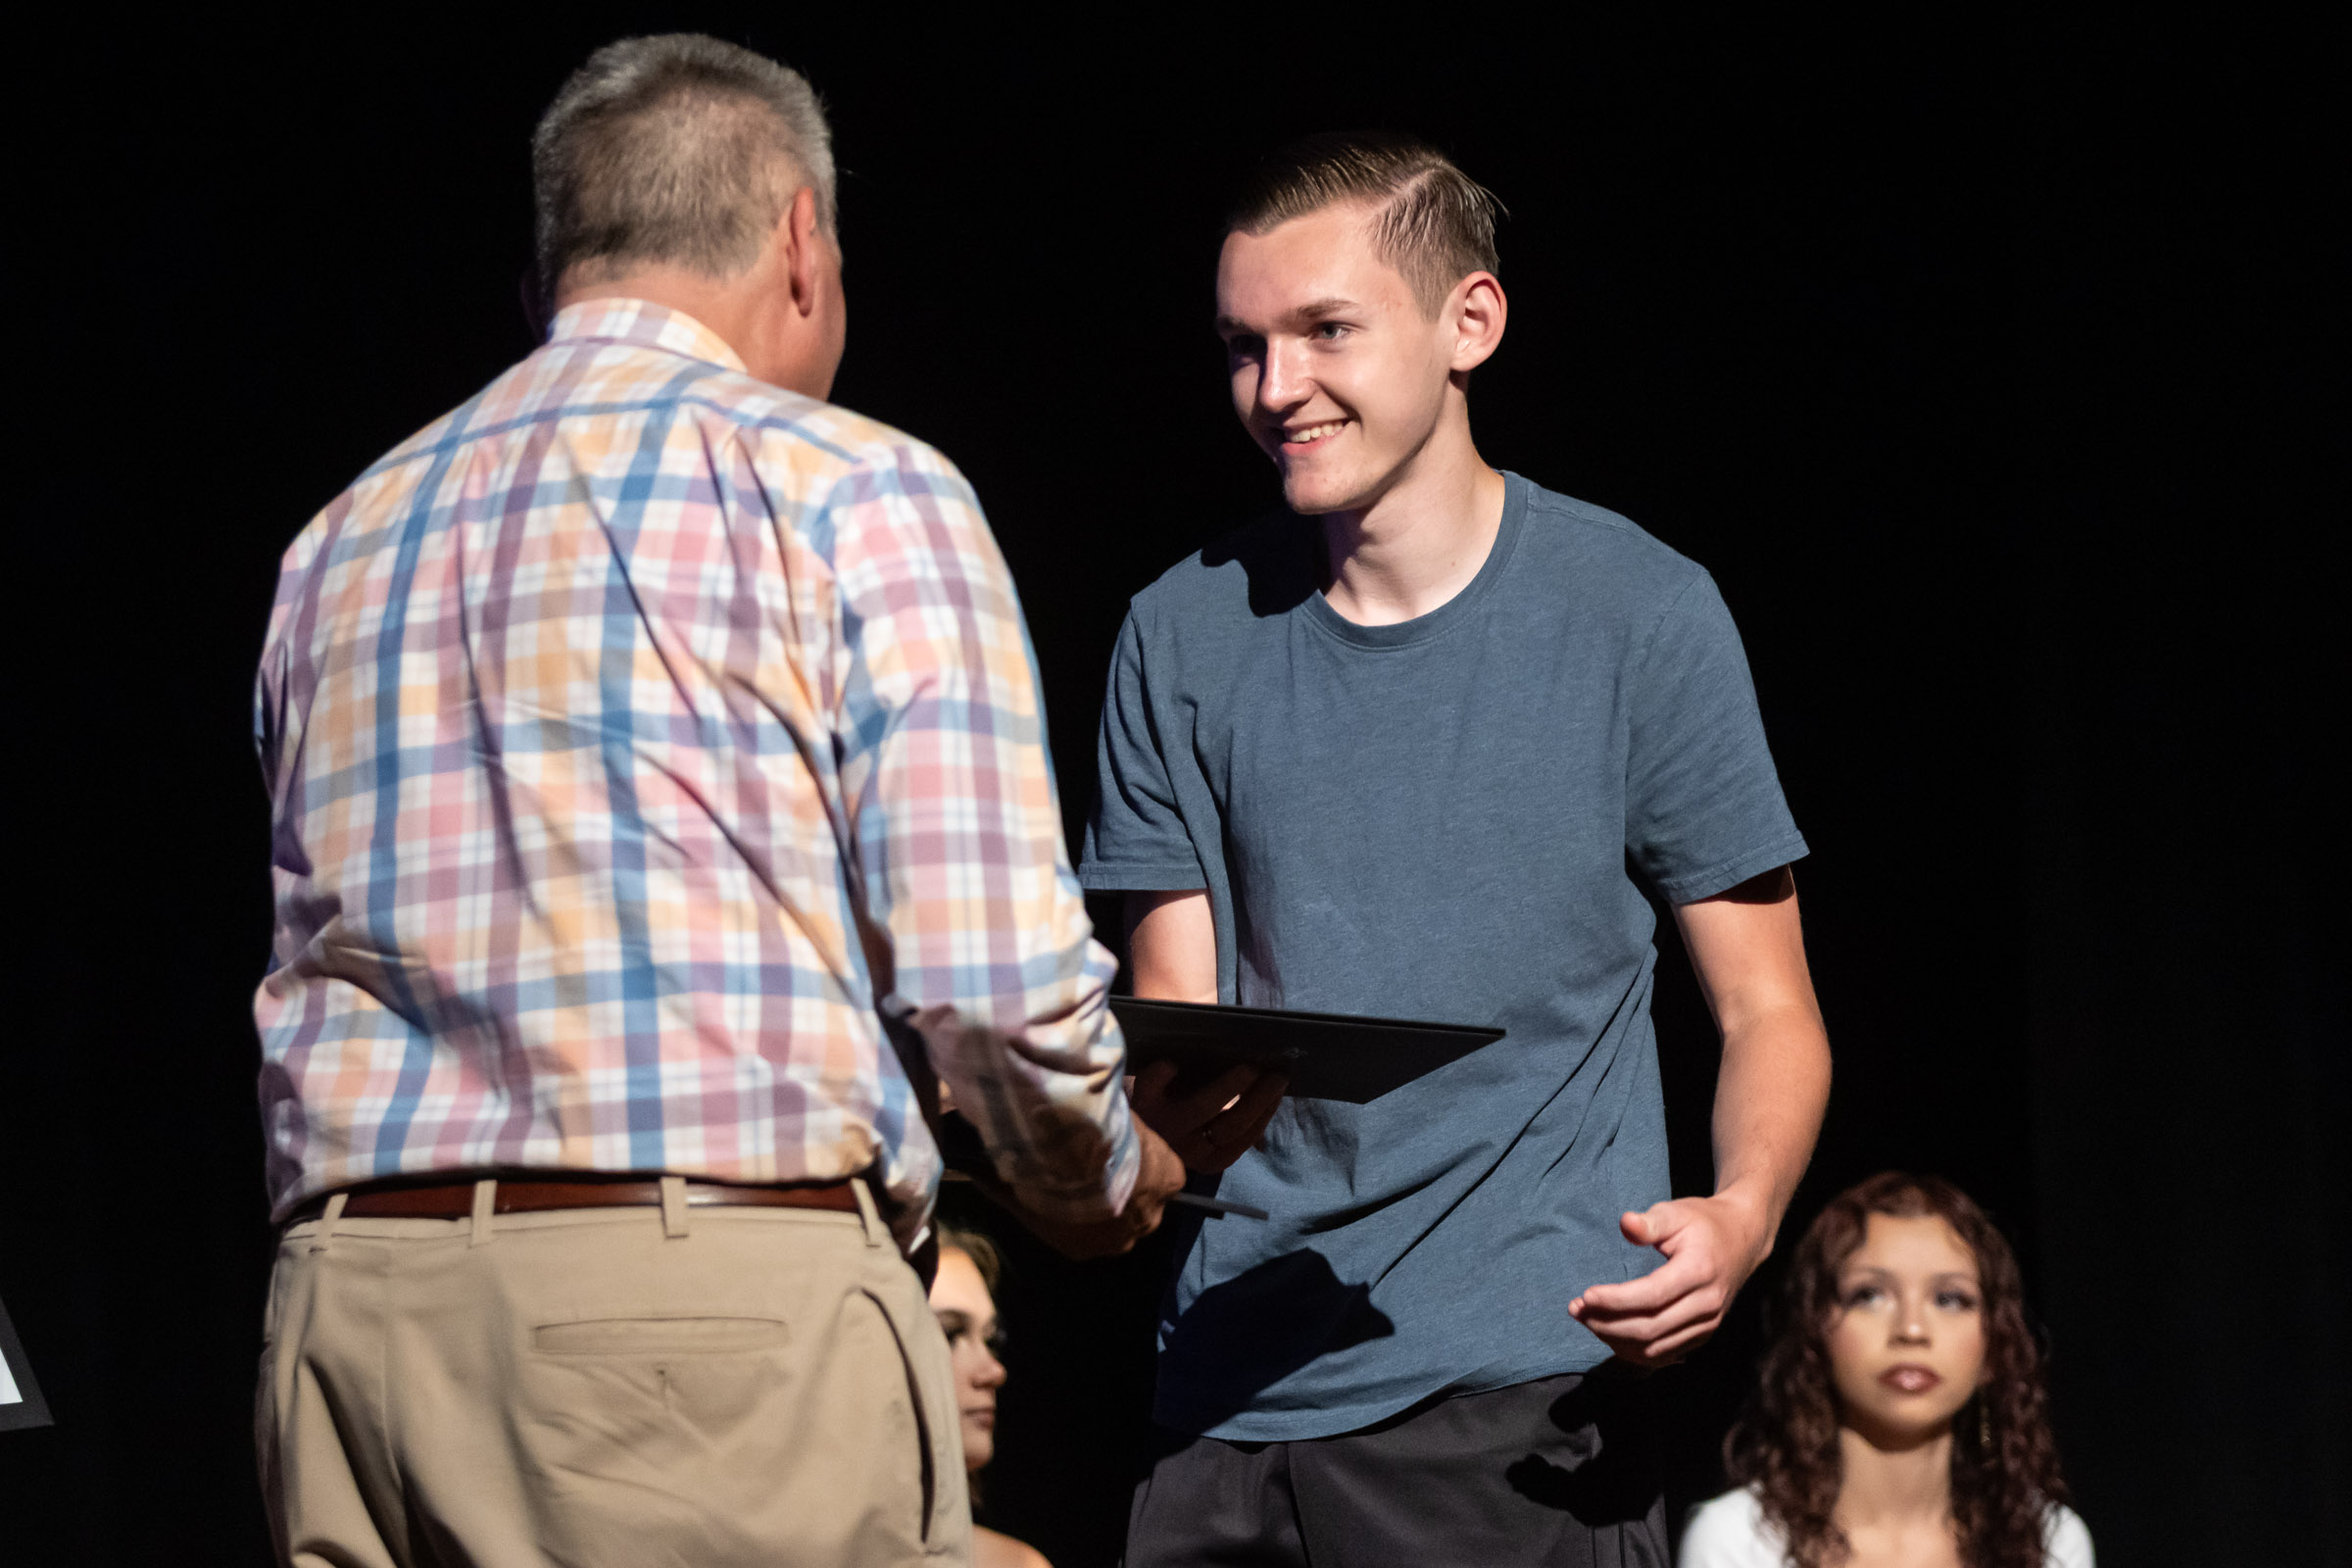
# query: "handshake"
[1057,1194]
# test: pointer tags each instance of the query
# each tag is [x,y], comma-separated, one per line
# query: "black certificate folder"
[1327,1056]
[21,1402]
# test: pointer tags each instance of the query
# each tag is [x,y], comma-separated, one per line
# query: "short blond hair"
[1432,222]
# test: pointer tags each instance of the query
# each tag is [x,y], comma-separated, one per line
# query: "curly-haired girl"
[1900,1415]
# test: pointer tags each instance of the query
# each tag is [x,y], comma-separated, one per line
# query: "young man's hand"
[1749,953]
[1172,949]
[1214,1125]
[1162,1174]
[1712,1244]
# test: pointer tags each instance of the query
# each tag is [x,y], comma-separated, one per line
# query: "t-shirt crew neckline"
[1454,611]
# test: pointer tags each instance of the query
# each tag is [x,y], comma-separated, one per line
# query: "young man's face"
[1336,371]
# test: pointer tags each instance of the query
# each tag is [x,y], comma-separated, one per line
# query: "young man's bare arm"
[1172,954]
[1172,946]
[1748,950]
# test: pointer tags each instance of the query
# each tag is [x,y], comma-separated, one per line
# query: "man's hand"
[1712,1244]
[1163,1173]
[1172,950]
[1749,953]
[1214,1124]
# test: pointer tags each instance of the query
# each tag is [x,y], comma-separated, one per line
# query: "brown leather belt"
[455,1200]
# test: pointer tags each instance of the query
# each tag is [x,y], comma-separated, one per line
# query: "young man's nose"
[1285,384]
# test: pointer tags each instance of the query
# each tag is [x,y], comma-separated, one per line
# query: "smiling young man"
[1408,747]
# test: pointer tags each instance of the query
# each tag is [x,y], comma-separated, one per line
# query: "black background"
[1987,363]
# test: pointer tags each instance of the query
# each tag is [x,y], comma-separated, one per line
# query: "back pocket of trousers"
[939,1443]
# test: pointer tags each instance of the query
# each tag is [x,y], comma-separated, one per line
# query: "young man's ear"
[1477,310]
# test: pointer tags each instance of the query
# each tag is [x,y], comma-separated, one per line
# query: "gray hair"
[675,149]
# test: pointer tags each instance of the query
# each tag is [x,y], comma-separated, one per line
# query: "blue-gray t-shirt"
[1442,819]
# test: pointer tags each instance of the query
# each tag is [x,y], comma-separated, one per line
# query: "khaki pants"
[623,1387]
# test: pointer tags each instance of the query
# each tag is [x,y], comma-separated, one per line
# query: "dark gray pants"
[1562,1471]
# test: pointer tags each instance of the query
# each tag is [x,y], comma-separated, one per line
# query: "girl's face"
[967,1316]
[1906,1337]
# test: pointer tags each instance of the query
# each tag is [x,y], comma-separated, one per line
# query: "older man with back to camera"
[661,809]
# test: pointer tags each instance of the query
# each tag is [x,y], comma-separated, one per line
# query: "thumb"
[1150,1086]
[1651,1226]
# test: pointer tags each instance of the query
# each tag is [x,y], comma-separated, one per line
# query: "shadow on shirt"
[1249,1332]
[1284,557]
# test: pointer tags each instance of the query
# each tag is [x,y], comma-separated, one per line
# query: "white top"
[1729,1532]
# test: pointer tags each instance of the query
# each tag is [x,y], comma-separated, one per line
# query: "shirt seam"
[1371,1410]
[1650,642]
[1708,874]
[1454,623]
[733,415]
[1113,876]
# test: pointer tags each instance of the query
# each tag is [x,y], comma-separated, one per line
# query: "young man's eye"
[1329,331]
[1244,348]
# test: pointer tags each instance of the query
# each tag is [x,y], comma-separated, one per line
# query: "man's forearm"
[974,926]
[1063,1141]
[1172,946]
[1770,1094]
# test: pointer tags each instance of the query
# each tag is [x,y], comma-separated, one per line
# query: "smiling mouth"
[1308,434]
[1909,1379]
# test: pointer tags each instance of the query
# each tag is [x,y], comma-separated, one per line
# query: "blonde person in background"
[1899,1420]
[962,1299]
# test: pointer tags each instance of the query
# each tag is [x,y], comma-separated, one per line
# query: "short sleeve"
[1136,839]
[2068,1541]
[1703,805]
[1728,1532]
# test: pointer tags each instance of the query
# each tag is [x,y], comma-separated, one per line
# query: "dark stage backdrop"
[1983,367]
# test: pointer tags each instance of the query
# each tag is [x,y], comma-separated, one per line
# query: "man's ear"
[1477,311]
[800,241]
